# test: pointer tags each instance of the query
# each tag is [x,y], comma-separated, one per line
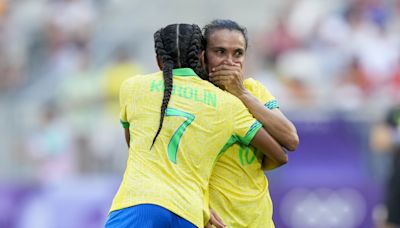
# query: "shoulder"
[253,85]
[250,81]
[259,90]
[140,78]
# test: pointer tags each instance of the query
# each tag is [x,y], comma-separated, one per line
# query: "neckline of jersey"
[184,72]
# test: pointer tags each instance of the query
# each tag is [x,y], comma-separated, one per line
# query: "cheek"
[214,61]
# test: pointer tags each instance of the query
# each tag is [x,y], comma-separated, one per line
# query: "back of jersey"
[199,121]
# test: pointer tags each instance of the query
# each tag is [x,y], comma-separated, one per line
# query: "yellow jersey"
[238,186]
[199,121]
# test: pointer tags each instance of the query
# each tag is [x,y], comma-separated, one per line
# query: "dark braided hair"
[220,24]
[177,46]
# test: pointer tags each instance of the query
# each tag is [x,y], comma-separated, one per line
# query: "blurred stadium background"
[333,65]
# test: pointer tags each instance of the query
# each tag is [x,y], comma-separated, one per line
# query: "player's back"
[199,121]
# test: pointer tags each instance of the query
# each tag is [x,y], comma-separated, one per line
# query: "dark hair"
[177,46]
[220,24]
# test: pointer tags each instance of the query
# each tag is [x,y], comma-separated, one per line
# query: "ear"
[159,63]
[202,59]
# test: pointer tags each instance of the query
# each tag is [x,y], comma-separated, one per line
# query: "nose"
[229,60]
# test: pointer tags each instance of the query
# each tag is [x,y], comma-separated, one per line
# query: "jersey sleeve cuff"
[272,104]
[255,127]
[124,124]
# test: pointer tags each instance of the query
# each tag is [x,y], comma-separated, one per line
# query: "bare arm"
[269,164]
[274,121]
[270,148]
[127,136]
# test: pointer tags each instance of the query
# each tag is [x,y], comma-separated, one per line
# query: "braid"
[167,77]
[159,47]
[177,46]
[194,50]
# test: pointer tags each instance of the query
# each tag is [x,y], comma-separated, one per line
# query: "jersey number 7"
[176,137]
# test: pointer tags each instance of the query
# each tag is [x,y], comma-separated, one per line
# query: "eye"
[220,51]
[238,53]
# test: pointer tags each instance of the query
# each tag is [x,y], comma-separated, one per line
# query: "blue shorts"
[146,216]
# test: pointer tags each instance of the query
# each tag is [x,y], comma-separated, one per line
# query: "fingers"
[221,79]
[217,224]
[226,72]
[216,220]
[216,216]
[225,75]
[223,84]
[220,85]
[227,78]
[226,67]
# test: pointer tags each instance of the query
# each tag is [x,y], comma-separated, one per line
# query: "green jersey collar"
[184,72]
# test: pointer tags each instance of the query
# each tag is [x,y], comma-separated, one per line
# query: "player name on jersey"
[188,92]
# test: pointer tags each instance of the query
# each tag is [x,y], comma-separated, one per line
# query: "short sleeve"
[123,101]
[258,90]
[244,124]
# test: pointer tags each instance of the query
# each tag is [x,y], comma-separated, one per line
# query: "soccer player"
[238,186]
[172,151]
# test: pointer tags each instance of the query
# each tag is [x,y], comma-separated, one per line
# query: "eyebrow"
[218,47]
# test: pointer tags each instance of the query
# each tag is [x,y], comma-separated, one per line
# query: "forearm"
[270,164]
[277,125]
[127,136]
[271,149]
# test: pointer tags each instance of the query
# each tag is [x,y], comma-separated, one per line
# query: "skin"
[225,56]
[127,136]
[215,220]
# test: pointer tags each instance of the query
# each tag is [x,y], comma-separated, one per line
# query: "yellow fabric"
[155,176]
[238,186]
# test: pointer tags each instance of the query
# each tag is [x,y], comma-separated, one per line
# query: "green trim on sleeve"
[124,124]
[272,104]
[255,127]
